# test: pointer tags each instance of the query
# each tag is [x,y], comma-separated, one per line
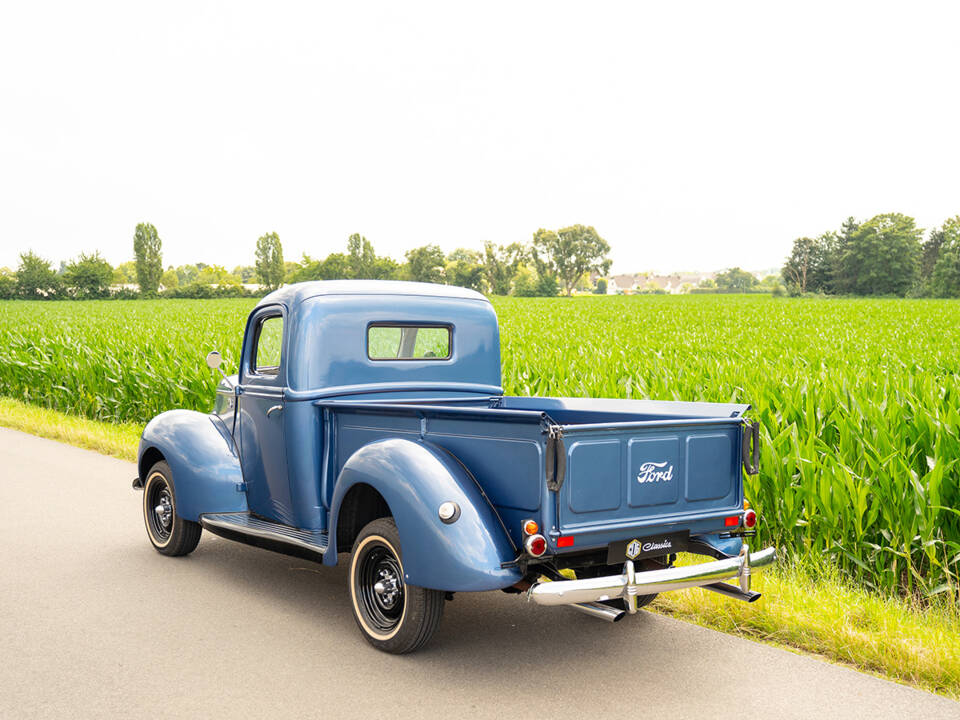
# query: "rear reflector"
[731,521]
[565,541]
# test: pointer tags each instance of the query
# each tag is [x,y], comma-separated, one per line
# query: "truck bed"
[596,470]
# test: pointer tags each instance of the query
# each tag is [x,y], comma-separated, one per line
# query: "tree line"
[885,255]
[554,261]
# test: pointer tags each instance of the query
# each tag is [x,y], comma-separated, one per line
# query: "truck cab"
[367,424]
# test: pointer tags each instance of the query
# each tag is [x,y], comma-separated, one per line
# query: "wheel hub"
[387,587]
[164,510]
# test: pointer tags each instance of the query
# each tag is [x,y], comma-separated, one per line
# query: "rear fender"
[200,452]
[415,478]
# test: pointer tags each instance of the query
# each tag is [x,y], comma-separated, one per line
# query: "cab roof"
[291,295]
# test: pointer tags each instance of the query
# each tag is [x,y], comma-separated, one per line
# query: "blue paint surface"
[205,467]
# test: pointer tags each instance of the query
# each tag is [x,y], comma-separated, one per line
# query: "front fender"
[415,478]
[205,467]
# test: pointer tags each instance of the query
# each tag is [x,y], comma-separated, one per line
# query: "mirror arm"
[226,378]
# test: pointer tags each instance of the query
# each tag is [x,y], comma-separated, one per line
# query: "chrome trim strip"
[568,592]
[247,524]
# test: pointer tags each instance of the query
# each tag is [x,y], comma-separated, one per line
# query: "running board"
[252,530]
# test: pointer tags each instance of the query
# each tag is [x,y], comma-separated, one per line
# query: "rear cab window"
[396,341]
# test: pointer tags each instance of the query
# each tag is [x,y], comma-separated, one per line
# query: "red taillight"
[565,541]
[750,519]
[731,521]
[536,545]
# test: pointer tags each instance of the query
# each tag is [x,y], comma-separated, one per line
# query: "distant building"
[621,284]
[673,284]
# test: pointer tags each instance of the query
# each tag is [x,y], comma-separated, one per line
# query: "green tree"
[365,264]
[735,279]
[125,273]
[8,284]
[601,286]
[547,285]
[36,279]
[170,279]
[216,275]
[881,257]
[465,269]
[500,263]
[569,253]
[945,277]
[811,265]
[426,264]
[525,281]
[89,276]
[930,253]
[335,267]
[246,273]
[187,274]
[270,267]
[148,258]
[363,259]
[529,283]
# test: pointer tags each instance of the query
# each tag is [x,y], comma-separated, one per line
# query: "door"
[262,447]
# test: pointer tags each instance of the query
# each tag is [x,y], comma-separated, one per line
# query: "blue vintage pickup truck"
[367,424]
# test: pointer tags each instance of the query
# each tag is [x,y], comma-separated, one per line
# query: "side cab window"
[265,347]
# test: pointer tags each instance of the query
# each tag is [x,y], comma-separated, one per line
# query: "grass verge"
[817,612]
[120,441]
[812,612]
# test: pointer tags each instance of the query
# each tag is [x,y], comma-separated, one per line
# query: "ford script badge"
[655,472]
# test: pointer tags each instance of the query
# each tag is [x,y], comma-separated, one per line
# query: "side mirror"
[214,360]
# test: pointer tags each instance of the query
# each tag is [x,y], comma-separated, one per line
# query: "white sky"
[692,136]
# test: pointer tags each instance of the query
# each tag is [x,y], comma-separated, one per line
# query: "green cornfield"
[859,400]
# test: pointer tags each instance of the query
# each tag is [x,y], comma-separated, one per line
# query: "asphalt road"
[95,623]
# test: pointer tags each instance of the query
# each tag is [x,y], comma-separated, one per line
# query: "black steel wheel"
[393,616]
[169,533]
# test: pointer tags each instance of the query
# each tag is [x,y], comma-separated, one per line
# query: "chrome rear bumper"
[630,584]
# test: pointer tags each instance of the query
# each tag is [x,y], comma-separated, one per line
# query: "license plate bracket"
[639,548]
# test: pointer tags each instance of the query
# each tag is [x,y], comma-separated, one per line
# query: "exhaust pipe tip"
[732,591]
[604,612]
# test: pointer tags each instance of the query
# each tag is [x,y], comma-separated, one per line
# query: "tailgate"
[634,475]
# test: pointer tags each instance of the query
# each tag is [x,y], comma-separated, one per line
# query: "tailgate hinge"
[556,460]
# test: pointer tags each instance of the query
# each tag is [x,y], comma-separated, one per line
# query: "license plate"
[644,547]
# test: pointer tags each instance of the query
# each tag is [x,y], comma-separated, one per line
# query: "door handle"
[275,408]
